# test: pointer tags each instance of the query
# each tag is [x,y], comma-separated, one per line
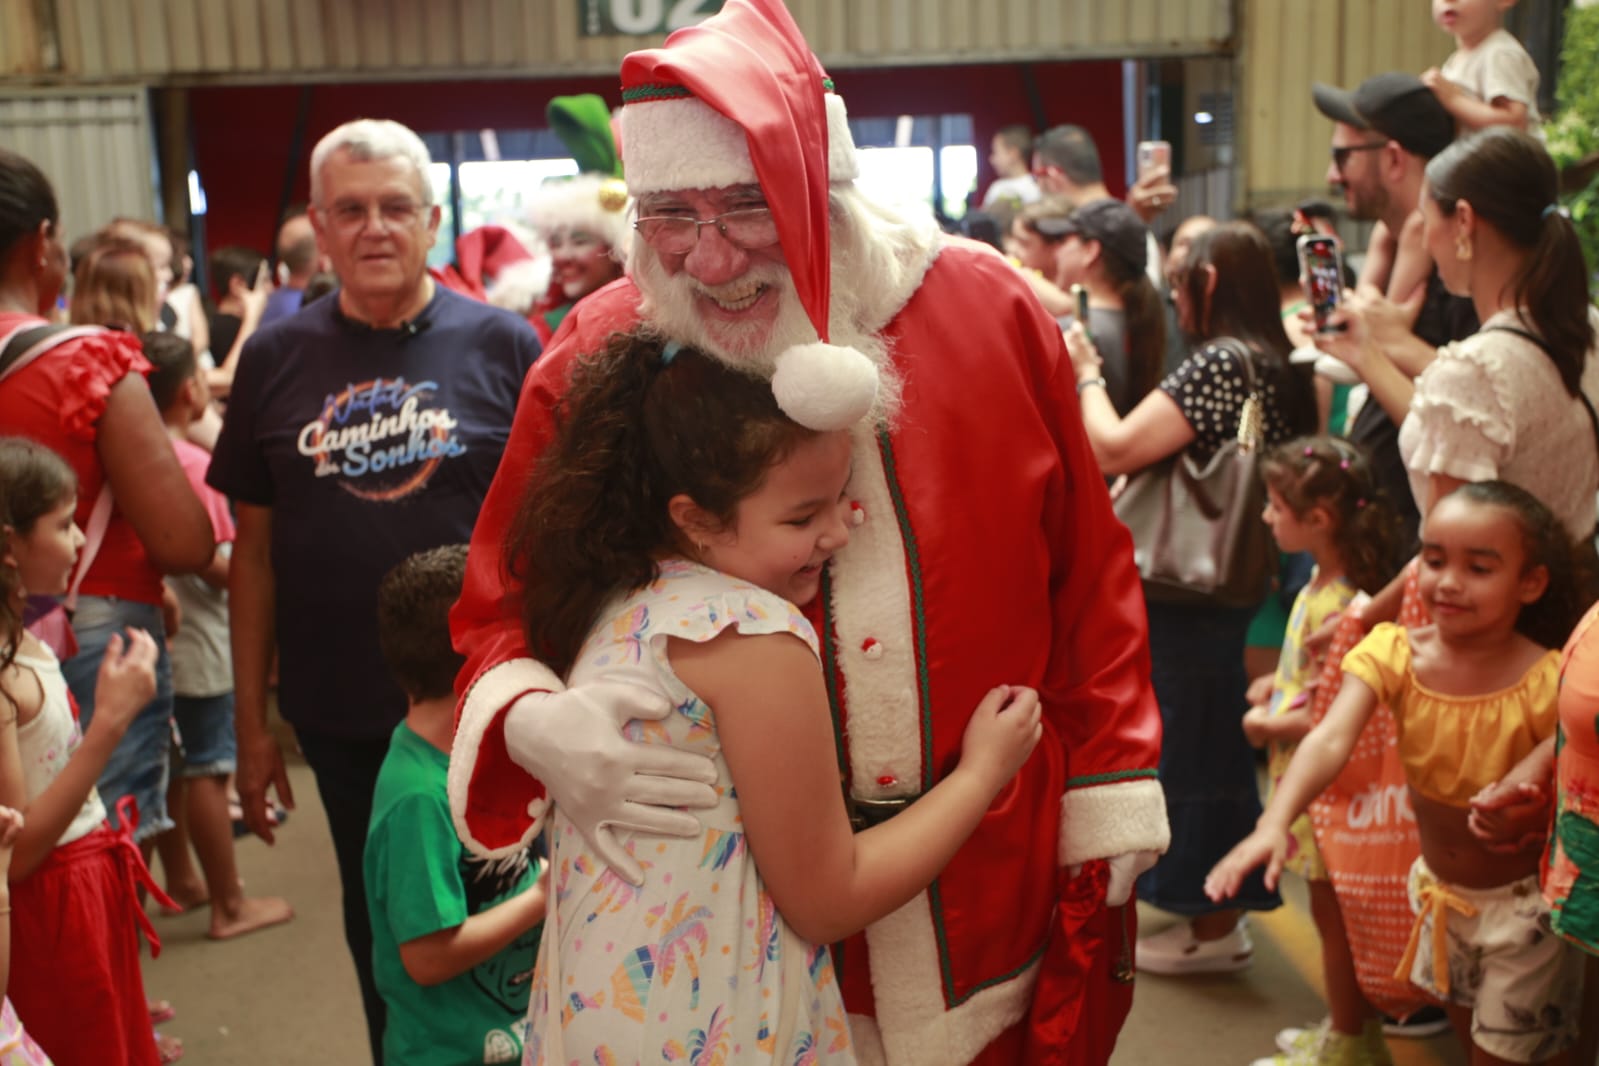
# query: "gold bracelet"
[5,910]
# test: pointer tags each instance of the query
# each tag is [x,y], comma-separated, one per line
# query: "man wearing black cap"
[1384,133]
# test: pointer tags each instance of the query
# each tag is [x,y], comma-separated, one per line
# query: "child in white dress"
[664,541]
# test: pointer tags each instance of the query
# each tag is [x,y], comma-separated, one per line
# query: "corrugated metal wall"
[94,146]
[1288,44]
[279,40]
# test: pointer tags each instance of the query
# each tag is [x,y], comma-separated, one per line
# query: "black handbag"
[1197,531]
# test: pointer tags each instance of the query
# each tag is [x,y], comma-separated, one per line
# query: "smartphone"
[1321,272]
[1152,155]
[1080,304]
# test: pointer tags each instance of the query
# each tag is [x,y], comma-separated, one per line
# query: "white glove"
[1122,871]
[572,742]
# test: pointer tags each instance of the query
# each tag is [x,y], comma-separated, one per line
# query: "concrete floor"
[288,995]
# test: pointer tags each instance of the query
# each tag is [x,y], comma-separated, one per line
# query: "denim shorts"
[205,735]
[140,765]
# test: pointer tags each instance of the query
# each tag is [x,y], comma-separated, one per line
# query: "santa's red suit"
[985,552]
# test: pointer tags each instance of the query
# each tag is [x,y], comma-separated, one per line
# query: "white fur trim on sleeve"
[1099,821]
[683,143]
[490,695]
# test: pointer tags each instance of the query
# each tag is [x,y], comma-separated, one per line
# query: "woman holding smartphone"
[1227,297]
[1101,255]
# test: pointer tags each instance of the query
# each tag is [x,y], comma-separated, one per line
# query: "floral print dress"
[695,966]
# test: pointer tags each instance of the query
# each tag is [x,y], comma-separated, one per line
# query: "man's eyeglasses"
[748,228]
[1341,154]
[350,214]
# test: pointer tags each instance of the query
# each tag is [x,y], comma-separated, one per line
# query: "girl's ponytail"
[590,517]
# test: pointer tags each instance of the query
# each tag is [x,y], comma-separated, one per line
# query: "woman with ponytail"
[1511,401]
[664,542]
[1103,246]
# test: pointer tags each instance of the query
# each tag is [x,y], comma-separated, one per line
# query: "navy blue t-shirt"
[368,445]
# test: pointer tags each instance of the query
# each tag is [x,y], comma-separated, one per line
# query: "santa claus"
[984,545]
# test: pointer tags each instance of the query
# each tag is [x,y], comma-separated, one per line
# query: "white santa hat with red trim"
[738,100]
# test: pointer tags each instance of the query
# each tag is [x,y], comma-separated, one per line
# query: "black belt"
[865,813]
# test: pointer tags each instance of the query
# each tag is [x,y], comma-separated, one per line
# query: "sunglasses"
[1340,155]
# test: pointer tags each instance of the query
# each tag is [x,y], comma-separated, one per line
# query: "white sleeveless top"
[49,740]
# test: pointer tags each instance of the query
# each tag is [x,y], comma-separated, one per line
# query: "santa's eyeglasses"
[748,228]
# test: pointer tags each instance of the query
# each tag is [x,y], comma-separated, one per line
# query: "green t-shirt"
[419,879]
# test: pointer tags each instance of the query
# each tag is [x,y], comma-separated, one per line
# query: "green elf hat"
[584,125]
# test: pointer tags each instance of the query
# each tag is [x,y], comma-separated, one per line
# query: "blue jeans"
[141,762]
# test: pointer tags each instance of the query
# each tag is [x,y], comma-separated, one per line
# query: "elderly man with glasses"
[983,546]
[361,429]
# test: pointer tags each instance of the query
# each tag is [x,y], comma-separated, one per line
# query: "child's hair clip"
[1309,451]
[1360,503]
[1343,464]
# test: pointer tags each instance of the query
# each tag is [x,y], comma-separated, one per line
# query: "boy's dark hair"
[174,362]
[634,430]
[1550,619]
[414,601]
[1072,149]
[1334,475]
[234,261]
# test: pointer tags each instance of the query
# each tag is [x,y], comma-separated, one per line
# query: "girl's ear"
[1534,582]
[692,520]
[1211,280]
[1319,519]
[1465,219]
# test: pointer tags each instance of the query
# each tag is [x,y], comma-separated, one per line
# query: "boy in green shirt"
[453,939]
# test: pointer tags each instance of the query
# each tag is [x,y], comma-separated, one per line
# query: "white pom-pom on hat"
[824,387]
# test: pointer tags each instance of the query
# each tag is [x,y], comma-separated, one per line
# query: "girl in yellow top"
[1321,498]
[1472,694]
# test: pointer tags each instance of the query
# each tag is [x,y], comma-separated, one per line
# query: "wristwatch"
[1086,382]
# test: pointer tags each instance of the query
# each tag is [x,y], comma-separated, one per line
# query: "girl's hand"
[10,829]
[127,679]
[1508,818]
[1257,725]
[1001,734]
[1262,847]
[1085,357]
[1259,690]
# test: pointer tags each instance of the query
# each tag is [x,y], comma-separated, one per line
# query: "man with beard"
[984,544]
[1384,132]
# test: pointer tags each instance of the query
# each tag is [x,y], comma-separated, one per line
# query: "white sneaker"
[1175,950]
[1297,1041]
[1321,1046]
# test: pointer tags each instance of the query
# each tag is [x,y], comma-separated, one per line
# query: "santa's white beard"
[668,308]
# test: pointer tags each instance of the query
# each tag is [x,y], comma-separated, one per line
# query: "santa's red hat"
[740,100]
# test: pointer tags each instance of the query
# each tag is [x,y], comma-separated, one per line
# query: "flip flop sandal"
[161,1010]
